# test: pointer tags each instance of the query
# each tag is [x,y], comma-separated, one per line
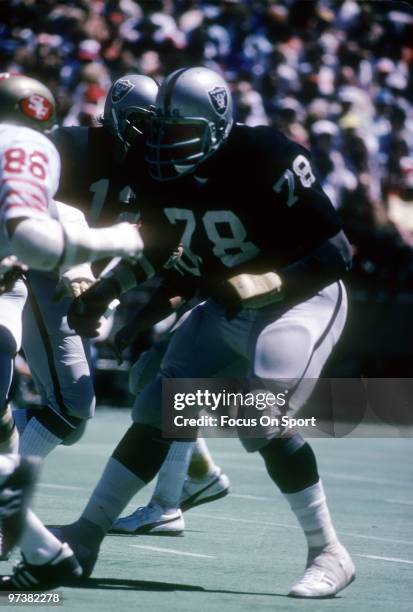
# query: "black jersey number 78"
[302,169]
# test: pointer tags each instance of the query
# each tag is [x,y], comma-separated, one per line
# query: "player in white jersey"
[30,230]
[57,357]
[29,177]
[55,353]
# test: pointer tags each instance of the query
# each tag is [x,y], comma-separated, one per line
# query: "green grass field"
[245,551]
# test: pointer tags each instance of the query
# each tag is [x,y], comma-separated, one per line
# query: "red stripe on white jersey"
[24,197]
[23,206]
[26,181]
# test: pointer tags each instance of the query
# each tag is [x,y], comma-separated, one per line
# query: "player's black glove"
[87,309]
[124,338]
[11,269]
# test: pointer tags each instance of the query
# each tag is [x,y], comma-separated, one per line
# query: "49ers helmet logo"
[37,107]
[219,99]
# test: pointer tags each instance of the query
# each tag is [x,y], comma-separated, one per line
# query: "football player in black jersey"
[268,252]
[92,178]
[95,180]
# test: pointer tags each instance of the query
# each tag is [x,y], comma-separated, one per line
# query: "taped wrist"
[257,290]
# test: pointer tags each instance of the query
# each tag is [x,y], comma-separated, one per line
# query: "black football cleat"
[84,538]
[55,573]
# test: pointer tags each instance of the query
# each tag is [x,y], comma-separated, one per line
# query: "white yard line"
[171,551]
[257,497]
[379,481]
[361,536]
[332,475]
[391,559]
[231,519]
[65,487]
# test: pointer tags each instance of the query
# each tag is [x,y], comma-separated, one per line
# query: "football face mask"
[176,147]
[129,106]
[136,123]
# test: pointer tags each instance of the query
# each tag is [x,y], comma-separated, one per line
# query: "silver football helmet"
[26,101]
[193,118]
[129,105]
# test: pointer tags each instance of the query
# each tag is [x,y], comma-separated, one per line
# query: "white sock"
[8,464]
[9,435]
[20,419]
[172,474]
[202,464]
[113,492]
[37,440]
[38,545]
[310,508]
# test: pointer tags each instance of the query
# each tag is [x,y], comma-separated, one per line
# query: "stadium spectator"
[336,75]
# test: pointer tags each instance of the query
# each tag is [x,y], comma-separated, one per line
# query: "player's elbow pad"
[44,244]
[39,243]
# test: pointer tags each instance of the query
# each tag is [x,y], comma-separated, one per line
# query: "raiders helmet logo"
[121,89]
[219,99]
[37,107]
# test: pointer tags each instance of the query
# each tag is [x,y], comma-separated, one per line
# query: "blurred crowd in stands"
[335,75]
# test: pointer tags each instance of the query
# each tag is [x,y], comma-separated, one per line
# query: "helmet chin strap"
[116,124]
[184,169]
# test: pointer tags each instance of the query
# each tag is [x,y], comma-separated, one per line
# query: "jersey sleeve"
[70,214]
[29,173]
[315,251]
[292,187]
